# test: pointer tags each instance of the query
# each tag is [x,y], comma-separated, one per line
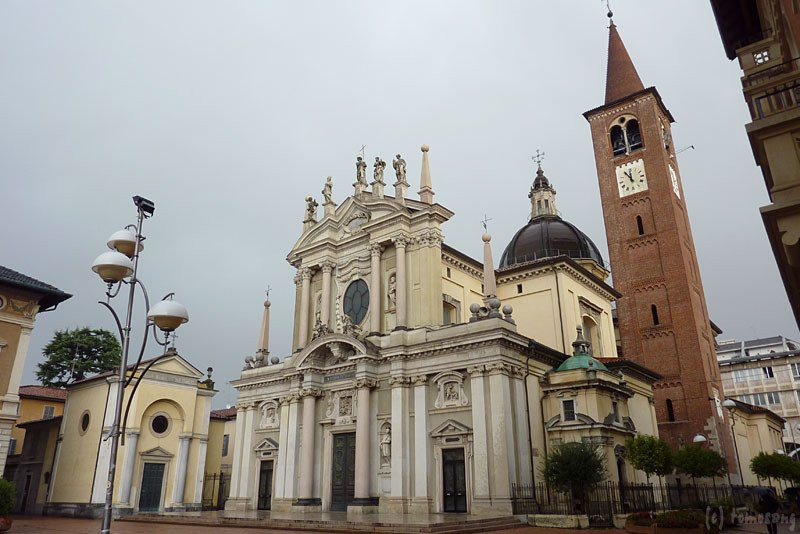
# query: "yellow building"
[35,403]
[756,429]
[21,298]
[162,462]
[219,457]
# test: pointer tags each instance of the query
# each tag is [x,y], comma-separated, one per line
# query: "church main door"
[454,481]
[152,478]
[265,485]
[343,477]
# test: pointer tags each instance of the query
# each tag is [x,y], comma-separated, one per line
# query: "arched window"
[634,135]
[654,311]
[449,315]
[626,136]
[592,335]
[640,224]
[618,144]
[670,411]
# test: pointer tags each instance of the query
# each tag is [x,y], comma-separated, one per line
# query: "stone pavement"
[56,525]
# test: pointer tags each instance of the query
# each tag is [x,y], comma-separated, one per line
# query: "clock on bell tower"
[662,314]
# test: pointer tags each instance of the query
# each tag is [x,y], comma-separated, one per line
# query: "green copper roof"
[581,359]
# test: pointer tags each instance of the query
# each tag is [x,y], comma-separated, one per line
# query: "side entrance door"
[454,481]
[265,485]
[152,479]
[343,477]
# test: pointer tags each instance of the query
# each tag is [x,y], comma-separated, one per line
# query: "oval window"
[356,301]
[160,424]
[85,421]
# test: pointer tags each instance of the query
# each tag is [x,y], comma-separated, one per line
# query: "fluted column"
[305,493]
[325,312]
[131,439]
[400,246]
[420,438]
[375,299]
[362,468]
[305,297]
[479,434]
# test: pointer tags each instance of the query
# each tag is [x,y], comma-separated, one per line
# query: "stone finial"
[263,338]
[580,345]
[425,190]
[507,311]
[489,281]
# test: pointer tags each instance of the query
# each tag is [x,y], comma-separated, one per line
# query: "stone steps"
[466,526]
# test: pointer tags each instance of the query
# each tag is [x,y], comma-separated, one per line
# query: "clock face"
[631,178]
[674,176]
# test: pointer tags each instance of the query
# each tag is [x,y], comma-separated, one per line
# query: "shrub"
[680,519]
[8,497]
[641,519]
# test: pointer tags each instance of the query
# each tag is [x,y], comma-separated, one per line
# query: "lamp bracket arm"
[116,319]
[133,392]
[147,325]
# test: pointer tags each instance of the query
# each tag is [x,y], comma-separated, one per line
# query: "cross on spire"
[485,222]
[538,157]
[608,6]
[269,288]
[363,147]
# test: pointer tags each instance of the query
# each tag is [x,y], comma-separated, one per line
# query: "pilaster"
[375,294]
[503,453]
[480,482]
[398,500]
[305,301]
[131,441]
[363,467]
[400,243]
[305,494]
[421,502]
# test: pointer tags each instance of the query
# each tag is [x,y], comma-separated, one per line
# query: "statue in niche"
[386,446]
[327,191]
[379,166]
[392,293]
[361,171]
[318,311]
[451,393]
[399,165]
[311,209]
[268,416]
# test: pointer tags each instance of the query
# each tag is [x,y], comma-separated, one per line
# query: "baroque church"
[422,380]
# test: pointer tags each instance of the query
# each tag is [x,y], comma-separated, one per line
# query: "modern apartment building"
[765,372]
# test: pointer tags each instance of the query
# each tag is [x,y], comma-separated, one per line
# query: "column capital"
[517,372]
[476,370]
[367,383]
[132,433]
[288,399]
[498,368]
[242,406]
[305,273]
[419,380]
[398,381]
[327,266]
[375,249]
[401,241]
[310,392]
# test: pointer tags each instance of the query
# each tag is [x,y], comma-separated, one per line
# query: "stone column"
[524,446]
[283,451]
[421,503]
[200,474]
[131,440]
[180,470]
[375,294]
[363,434]
[400,246]
[505,468]
[305,298]
[325,312]
[248,435]
[305,490]
[291,447]
[480,482]
[238,434]
[399,485]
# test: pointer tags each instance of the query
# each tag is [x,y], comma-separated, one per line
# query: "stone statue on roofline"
[379,166]
[399,165]
[327,191]
[311,210]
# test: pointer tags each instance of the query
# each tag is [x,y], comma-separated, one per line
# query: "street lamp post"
[114,267]
[730,404]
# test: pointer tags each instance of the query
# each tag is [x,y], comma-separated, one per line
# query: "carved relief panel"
[451,392]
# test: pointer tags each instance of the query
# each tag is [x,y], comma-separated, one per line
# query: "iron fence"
[602,501]
[216,488]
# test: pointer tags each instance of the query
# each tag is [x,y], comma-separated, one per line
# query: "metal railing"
[216,488]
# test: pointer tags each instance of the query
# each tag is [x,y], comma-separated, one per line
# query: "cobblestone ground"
[54,525]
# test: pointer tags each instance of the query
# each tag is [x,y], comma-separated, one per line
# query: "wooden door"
[343,476]
[454,481]
[152,479]
[265,485]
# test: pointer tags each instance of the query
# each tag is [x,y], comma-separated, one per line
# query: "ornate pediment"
[450,428]
[330,350]
[157,452]
[267,448]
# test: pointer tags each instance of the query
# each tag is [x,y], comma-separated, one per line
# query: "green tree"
[696,461]
[574,467]
[75,354]
[773,465]
[649,454]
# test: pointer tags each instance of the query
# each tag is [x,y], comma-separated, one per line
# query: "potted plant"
[8,497]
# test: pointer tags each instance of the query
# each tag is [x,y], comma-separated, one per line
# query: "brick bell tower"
[663,318]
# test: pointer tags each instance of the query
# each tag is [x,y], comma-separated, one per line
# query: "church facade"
[422,380]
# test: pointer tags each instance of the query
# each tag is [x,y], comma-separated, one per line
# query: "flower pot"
[5,523]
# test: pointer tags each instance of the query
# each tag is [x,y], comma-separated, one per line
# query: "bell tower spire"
[542,194]
[621,77]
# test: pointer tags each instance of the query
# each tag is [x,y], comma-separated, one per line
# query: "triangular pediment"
[267,444]
[450,428]
[157,452]
[176,364]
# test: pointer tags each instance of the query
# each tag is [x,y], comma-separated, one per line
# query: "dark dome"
[547,237]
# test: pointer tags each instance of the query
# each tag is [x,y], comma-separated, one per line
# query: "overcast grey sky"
[227,114]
